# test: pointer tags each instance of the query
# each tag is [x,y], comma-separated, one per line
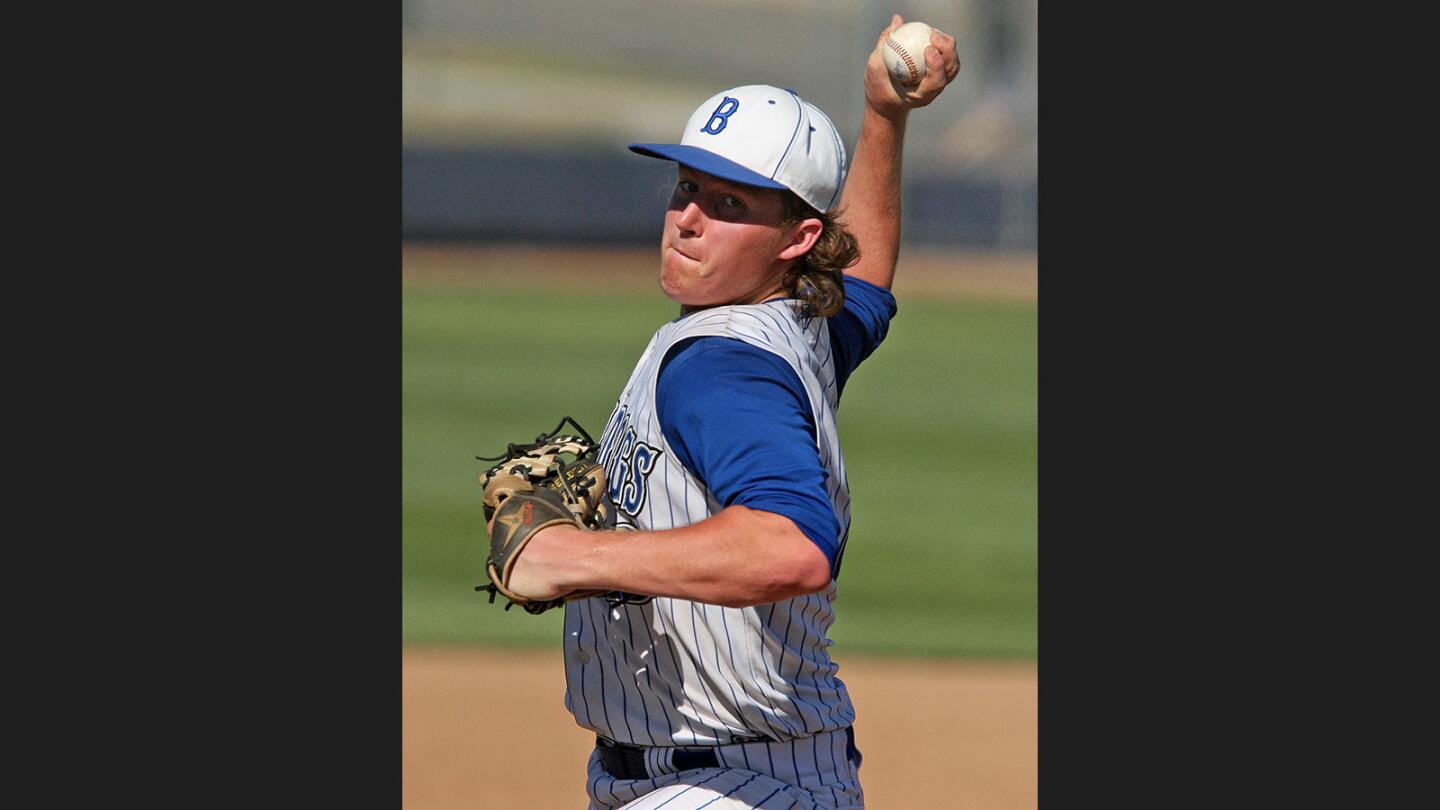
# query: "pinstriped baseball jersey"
[672,672]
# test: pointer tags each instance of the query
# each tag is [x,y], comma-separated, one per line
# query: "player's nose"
[691,219]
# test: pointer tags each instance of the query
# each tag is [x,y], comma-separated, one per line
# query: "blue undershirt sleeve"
[738,418]
[860,326]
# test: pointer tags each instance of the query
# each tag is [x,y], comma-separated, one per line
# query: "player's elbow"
[811,572]
[801,567]
[781,561]
[799,575]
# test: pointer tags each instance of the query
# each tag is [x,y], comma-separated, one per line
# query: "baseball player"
[702,668]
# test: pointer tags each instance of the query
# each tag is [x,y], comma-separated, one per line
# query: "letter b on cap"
[721,116]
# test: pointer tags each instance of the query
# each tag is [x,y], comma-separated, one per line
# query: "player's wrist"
[537,574]
[892,115]
[557,552]
[881,98]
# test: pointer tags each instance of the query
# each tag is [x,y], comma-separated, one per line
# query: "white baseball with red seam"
[904,52]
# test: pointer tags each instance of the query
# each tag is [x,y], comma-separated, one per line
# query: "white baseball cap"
[758,135]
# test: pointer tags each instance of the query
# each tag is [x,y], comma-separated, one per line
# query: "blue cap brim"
[708,162]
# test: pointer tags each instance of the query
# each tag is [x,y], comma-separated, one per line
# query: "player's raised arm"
[870,204]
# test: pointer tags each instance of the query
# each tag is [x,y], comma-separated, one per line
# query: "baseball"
[905,52]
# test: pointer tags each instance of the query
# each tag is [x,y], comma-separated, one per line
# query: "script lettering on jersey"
[721,116]
[628,462]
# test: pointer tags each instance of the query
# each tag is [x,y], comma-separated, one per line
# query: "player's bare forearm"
[871,202]
[870,205]
[736,558]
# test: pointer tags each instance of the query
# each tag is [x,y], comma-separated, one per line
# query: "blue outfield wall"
[615,196]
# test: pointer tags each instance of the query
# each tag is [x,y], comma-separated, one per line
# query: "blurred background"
[530,242]
[516,115]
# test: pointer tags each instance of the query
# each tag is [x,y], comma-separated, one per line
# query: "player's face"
[724,243]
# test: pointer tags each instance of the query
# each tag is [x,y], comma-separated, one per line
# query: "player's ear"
[803,236]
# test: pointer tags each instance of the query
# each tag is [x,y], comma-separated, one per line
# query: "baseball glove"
[533,487]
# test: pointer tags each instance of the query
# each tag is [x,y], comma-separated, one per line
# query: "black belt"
[624,761]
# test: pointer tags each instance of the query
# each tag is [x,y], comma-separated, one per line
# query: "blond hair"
[817,277]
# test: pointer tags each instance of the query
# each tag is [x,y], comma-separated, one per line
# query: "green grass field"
[939,429]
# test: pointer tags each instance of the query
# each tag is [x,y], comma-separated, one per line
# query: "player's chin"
[668,285]
[677,290]
[683,290]
[678,274]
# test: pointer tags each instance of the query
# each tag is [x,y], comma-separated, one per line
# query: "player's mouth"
[683,253]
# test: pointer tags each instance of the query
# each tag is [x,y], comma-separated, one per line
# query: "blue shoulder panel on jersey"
[738,417]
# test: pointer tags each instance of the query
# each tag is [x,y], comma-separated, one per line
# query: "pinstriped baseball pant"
[810,773]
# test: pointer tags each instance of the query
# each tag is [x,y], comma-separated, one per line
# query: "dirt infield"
[975,275]
[934,734]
